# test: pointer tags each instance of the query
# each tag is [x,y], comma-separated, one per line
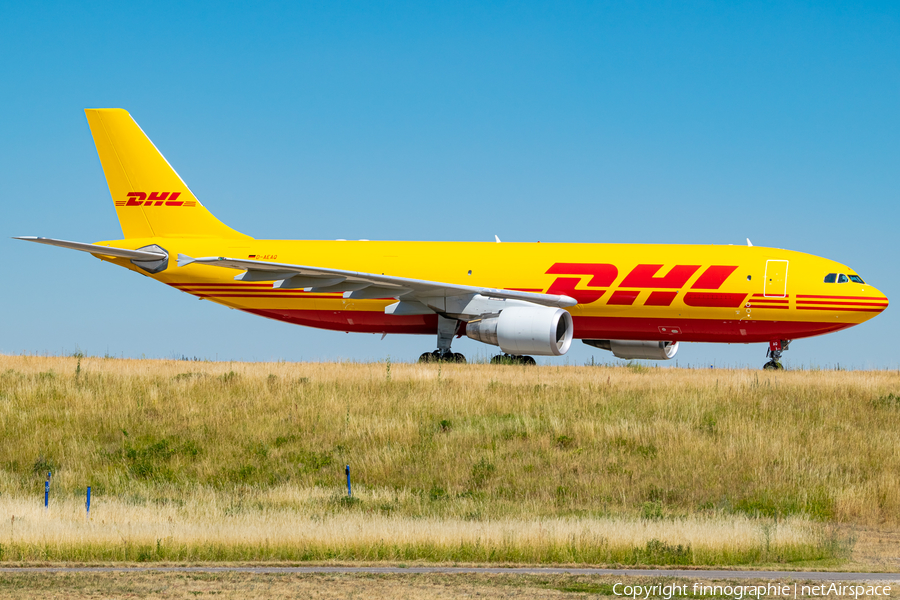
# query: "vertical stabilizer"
[151,199]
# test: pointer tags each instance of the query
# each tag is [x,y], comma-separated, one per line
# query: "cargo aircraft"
[636,300]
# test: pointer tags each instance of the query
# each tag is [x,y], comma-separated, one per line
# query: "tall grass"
[288,524]
[462,445]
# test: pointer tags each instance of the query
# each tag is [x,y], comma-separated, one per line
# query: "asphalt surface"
[683,573]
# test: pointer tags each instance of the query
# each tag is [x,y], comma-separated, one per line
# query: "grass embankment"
[450,462]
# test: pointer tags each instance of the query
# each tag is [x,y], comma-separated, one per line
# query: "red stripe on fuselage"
[833,308]
[221,285]
[832,303]
[265,297]
[363,321]
[844,297]
[699,330]
[598,328]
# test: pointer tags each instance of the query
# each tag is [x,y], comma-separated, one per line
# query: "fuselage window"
[843,278]
[856,279]
[830,278]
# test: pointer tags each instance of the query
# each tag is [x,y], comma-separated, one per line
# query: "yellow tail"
[151,199]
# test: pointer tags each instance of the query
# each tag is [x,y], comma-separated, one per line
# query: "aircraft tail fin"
[151,199]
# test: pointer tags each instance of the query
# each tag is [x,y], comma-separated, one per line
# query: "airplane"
[638,301]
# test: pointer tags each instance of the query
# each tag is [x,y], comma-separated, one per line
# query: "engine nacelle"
[525,330]
[635,349]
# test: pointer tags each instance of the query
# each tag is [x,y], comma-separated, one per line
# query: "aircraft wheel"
[450,357]
[773,366]
[510,359]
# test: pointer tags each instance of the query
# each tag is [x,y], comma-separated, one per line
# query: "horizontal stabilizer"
[145,255]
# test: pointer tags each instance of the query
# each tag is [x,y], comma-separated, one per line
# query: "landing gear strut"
[512,359]
[774,355]
[446,331]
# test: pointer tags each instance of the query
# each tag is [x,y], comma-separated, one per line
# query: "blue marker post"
[87,504]
[349,491]
[47,492]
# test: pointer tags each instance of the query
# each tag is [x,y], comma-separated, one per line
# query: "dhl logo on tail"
[155,199]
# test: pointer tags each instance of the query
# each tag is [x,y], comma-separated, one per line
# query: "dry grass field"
[625,465]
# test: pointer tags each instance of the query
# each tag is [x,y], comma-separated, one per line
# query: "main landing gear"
[447,328]
[446,331]
[437,356]
[774,355]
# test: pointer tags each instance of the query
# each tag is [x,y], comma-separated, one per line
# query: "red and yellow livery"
[636,300]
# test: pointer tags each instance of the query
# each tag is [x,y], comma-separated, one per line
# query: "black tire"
[505,359]
[459,359]
[527,361]
[430,357]
[773,366]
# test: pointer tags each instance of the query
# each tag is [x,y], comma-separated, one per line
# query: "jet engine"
[635,349]
[525,330]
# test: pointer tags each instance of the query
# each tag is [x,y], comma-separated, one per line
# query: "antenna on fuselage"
[749,243]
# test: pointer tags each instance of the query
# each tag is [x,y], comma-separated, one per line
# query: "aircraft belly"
[730,331]
[357,321]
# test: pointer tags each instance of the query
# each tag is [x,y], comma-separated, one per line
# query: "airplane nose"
[876,301]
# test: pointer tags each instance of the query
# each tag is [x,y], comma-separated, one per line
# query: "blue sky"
[704,122]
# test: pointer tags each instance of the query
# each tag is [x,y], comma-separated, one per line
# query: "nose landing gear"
[446,331]
[776,348]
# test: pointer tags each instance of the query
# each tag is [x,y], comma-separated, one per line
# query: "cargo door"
[776,278]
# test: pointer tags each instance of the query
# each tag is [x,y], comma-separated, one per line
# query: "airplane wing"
[357,285]
[144,255]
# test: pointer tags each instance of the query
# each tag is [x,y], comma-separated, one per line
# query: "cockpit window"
[856,279]
[842,278]
[830,278]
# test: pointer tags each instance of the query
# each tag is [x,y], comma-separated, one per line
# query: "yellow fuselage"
[734,294]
